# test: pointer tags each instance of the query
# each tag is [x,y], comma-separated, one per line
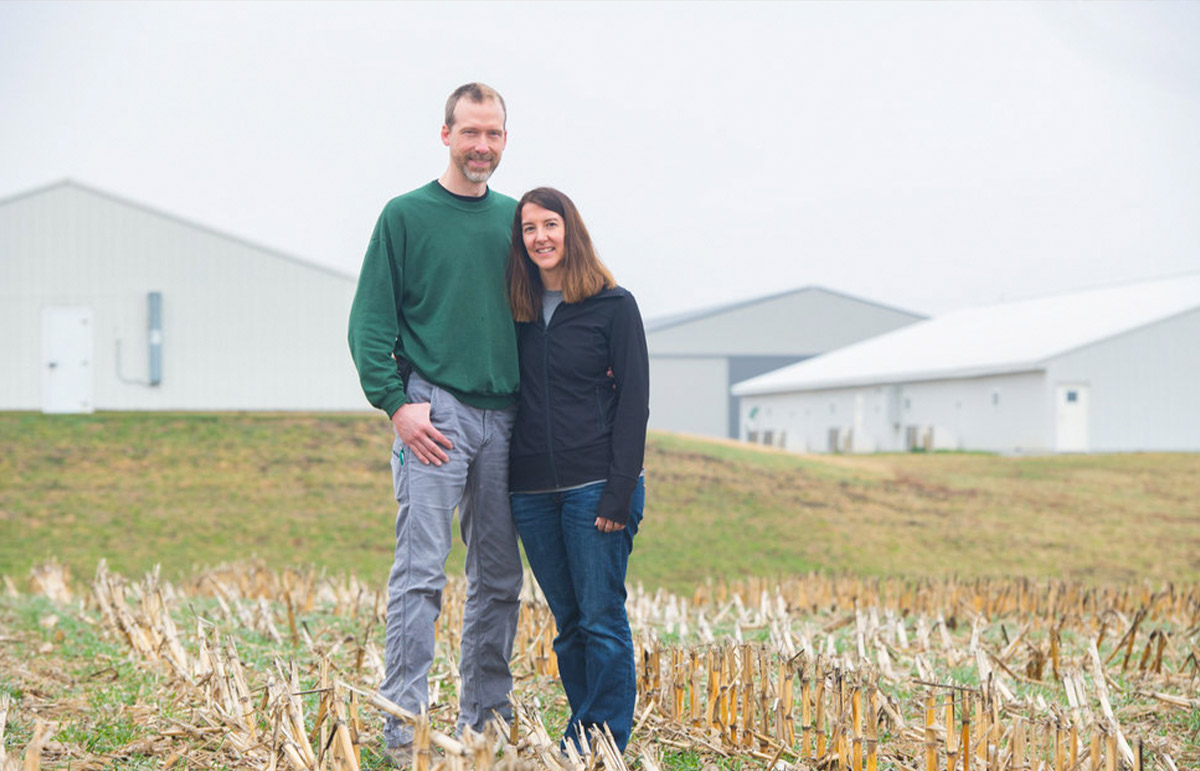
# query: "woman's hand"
[607,525]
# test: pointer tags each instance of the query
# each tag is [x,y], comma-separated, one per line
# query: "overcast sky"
[923,155]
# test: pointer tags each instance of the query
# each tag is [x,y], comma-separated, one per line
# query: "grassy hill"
[190,491]
[195,490]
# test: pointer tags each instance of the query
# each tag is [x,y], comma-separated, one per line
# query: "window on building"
[1072,397]
[768,437]
[995,398]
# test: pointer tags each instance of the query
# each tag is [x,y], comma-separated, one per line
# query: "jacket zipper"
[546,386]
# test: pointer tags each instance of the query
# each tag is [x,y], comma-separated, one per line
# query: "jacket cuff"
[616,499]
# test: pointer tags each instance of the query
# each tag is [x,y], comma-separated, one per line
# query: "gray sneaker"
[401,756]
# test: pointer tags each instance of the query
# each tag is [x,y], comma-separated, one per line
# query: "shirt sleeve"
[631,371]
[374,318]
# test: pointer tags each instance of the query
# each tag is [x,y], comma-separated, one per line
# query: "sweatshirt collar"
[464,198]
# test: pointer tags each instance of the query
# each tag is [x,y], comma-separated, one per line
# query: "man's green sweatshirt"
[432,293]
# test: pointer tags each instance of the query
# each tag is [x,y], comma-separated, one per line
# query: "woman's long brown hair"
[584,274]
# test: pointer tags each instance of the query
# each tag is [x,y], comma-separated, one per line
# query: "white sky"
[923,155]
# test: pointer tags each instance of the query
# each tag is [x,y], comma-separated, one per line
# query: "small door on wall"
[67,347]
[1071,414]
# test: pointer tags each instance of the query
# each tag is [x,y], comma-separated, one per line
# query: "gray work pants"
[476,481]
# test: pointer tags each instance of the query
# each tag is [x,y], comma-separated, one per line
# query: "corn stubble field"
[243,667]
[959,612]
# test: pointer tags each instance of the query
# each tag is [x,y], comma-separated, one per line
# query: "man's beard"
[480,175]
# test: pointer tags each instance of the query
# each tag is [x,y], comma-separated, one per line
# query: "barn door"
[67,346]
[1071,413]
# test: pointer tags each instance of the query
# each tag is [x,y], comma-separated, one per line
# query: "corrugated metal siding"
[1141,390]
[689,395]
[800,324]
[1004,413]
[686,356]
[1143,387]
[243,327]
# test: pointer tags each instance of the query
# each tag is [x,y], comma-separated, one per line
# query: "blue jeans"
[582,573]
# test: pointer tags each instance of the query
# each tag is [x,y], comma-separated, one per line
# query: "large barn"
[696,357]
[106,304]
[1105,370]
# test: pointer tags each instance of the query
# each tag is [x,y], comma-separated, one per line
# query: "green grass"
[189,490]
[195,490]
[717,509]
[72,663]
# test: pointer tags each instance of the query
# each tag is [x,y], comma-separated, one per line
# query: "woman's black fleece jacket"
[576,424]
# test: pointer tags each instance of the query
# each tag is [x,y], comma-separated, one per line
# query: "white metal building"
[1104,370]
[696,357]
[106,304]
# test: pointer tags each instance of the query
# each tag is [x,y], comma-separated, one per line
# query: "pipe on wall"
[155,337]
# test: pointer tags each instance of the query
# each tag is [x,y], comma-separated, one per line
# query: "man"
[435,346]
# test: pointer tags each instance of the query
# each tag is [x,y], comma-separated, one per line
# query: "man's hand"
[607,525]
[412,425]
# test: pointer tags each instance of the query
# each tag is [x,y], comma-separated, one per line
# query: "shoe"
[401,756]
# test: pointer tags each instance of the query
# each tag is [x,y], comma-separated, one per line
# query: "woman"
[577,449]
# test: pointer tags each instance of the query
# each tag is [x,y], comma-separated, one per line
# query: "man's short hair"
[477,93]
